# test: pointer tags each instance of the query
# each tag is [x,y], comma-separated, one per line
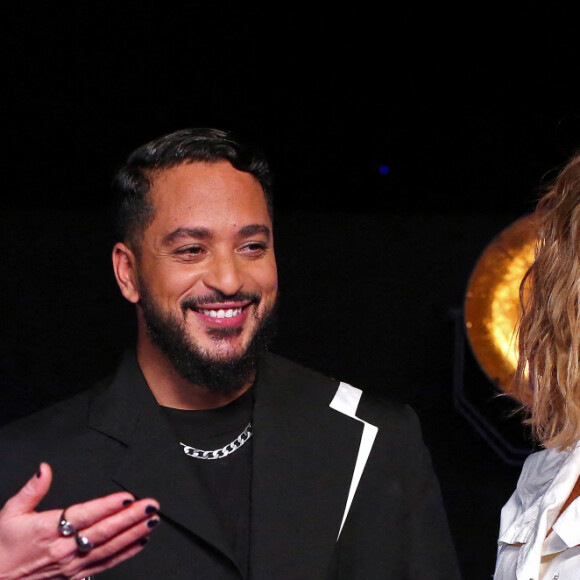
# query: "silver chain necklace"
[222,452]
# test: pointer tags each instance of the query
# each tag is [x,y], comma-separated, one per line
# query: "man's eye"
[189,251]
[254,247]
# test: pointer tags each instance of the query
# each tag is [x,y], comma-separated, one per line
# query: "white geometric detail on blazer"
[346,401]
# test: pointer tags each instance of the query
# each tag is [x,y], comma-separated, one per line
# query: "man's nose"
[224,275]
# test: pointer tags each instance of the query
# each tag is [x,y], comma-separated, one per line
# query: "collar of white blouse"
[565,531]
[547,480]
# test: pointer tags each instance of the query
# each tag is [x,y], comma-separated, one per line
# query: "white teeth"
[221,313]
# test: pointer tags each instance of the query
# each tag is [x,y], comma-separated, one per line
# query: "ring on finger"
[84,545]
[65,528]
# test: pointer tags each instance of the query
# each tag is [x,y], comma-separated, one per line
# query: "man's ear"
[125,268]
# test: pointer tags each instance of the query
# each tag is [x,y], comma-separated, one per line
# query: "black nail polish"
[152,523]
[143,541]
[150,509]
[127,502]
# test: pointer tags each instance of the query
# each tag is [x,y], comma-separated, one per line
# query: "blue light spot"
[384,169]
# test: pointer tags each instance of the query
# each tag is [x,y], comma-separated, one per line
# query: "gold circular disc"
[492,302]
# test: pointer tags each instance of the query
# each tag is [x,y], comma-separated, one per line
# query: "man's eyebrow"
[201,233]
[197,233]
[253,229]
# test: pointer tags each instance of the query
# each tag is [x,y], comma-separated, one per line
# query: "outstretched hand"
[31,547]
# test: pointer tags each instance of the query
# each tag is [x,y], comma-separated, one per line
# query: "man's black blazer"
[342,486]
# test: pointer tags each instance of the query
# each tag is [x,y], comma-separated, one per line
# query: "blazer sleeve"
[430,550]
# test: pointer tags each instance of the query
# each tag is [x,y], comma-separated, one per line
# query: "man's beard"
[214,373]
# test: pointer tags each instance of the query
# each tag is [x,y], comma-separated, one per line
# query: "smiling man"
[202,273]
[263,469]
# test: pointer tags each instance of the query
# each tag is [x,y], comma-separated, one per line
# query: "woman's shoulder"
[541,467]
[542,470]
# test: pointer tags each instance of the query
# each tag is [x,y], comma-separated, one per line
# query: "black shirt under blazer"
[115,437]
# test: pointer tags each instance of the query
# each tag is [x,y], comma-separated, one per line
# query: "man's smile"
[223,315]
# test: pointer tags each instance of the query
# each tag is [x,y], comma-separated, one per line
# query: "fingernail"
[150,509]
[152,523]
[143,541]
[127,502]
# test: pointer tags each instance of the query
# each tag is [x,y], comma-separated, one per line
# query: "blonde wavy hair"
[547,378]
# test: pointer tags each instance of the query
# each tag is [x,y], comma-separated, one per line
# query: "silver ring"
[65,528]
[84,544]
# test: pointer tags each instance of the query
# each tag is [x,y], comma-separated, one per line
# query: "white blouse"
[524,551]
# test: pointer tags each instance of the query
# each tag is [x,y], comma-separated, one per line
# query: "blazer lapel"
[154,464]
[305,454]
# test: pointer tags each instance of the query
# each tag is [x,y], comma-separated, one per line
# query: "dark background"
[470,111]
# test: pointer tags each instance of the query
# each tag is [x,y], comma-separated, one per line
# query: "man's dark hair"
[133,181]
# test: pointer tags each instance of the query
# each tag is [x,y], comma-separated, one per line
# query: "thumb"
[31,494]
